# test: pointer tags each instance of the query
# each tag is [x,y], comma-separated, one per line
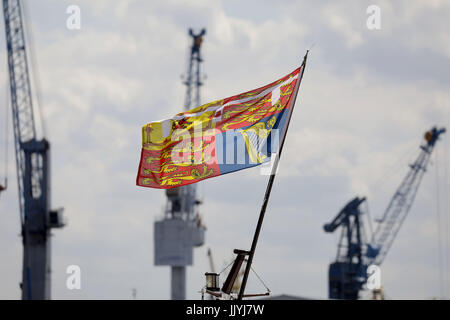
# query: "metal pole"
[178,283]
[269,186]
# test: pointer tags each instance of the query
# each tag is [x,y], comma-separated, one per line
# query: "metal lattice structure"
[20,88]
[401,202]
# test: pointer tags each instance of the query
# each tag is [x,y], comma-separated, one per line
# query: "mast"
[181,229]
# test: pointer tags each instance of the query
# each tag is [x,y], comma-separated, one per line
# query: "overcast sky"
[366,99]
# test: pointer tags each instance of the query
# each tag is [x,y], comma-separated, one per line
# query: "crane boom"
[348,273]
[20,88]
[32,164]
[401,202]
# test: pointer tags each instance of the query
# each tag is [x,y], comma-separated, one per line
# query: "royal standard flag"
[219,137]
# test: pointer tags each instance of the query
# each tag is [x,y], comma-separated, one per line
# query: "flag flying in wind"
[219,137]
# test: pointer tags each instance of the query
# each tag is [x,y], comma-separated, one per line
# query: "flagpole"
[269,186]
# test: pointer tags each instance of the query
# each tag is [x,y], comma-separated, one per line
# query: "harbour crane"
[356,252]
[32,164]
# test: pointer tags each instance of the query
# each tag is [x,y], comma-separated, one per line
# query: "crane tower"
[32,164]
[181,229]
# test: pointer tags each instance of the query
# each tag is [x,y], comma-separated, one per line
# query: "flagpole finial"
[304,58]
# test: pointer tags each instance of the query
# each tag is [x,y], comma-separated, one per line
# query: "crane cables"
[447,216]
[33,70]
[4,185]
[442,225]
[390,171]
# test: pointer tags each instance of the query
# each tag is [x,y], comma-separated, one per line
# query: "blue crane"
[356,252]
[32,164]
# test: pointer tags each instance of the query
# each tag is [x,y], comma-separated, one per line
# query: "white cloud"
[342,26]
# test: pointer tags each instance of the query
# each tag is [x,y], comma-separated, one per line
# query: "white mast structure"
[180,230]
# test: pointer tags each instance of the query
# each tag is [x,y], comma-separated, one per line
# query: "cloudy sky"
[366,99]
